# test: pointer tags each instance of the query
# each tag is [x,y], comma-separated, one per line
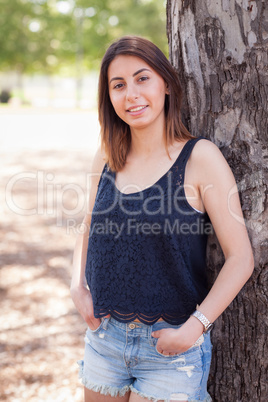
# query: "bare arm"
[220,197]
[218,192]
[80,293]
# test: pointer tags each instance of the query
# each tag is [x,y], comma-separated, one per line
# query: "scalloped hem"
[126,318]
[102,389]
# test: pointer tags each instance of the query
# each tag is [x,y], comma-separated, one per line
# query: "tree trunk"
[220,49]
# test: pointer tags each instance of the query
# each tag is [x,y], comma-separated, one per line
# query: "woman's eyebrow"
[136,73]
[140,71]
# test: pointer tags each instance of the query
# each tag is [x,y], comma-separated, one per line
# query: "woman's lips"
[136,109]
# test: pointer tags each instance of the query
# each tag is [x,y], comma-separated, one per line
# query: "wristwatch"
[207,324]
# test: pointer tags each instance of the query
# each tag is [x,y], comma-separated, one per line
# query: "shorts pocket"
[199,342]
[192,348]
[169,356]
[154,344]
[93,331]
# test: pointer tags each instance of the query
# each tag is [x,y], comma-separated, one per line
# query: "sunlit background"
[50,52]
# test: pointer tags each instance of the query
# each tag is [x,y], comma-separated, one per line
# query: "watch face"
[209,328]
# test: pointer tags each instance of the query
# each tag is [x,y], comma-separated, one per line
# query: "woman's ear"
[167,89]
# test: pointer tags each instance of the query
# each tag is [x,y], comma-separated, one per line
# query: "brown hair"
[115,133]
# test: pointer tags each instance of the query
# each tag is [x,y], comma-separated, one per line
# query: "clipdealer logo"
[48,197]
[66,202]
[135,227]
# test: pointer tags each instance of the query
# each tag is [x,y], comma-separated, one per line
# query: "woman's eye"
[143,78]
[118,86]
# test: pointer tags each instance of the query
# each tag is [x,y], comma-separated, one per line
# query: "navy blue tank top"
[146,255]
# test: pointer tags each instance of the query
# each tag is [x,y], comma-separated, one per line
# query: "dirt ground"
[41,334]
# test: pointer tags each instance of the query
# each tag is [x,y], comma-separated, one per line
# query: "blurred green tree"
[30,33]
[50,36]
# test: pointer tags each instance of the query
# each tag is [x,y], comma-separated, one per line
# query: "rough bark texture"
[220,49]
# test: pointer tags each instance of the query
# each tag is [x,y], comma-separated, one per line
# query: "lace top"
[147,250]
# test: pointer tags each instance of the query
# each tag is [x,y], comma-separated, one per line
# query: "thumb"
[156,334]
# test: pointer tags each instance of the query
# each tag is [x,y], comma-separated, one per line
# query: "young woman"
[139,277]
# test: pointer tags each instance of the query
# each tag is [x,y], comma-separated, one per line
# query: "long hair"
[115,133]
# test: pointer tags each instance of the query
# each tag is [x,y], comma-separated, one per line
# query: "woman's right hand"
[83,302]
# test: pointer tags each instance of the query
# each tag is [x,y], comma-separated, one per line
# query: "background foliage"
[54,36]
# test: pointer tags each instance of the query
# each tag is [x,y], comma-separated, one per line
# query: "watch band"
[203,319]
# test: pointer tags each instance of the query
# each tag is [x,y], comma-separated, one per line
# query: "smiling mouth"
[136,109]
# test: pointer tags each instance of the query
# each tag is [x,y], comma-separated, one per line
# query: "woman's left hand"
[174,341]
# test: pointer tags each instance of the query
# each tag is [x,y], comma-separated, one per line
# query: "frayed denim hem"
[152,398]
[102,389]
[115,391]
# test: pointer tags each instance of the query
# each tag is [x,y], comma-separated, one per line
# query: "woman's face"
[137,92]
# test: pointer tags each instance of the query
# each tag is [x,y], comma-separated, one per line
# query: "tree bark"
[220,50]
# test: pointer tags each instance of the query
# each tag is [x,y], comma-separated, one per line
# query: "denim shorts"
[123,357]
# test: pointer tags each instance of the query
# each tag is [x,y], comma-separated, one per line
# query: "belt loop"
[105,322]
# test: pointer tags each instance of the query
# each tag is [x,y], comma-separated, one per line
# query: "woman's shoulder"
[208,159]
[98,161]
[205,144]
[97,166]
[206,151]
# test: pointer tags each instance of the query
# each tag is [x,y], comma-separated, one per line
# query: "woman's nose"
[132,93]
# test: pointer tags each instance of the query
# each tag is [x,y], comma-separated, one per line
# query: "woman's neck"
[147,142]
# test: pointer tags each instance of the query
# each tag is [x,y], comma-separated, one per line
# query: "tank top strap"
[181,162]
[105,171]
